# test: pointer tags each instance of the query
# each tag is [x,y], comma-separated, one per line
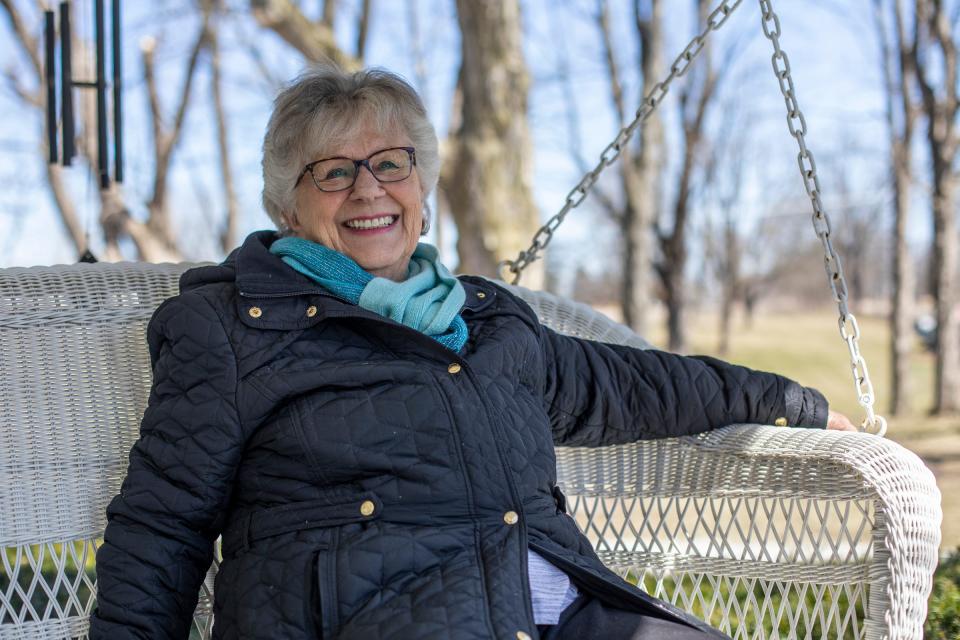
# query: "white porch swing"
[766,532]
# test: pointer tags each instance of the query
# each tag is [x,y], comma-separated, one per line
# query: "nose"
[366,187]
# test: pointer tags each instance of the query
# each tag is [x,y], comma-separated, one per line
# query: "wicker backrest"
[74,379]
[763,531]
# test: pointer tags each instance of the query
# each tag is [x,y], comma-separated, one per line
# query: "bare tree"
[487,178]
[650,169]
[228,234]
[934,59]
[166,137]
[724,247]
[696,97]
[640,167]
[896,64]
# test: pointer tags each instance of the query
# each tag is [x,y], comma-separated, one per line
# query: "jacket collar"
[261,274]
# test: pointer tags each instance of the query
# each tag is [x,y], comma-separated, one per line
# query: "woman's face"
[335,219]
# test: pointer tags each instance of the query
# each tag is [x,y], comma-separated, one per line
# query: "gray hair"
[322,109]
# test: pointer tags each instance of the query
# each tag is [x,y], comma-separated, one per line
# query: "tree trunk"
[488,184]
[903,284]
[676,307]
[946,398]
[933,41]
[674,264]
[729,278]
[695,98]
[229,232]
[642,184]
[900,114]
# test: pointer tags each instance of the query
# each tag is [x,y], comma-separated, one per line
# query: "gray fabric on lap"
[550,589]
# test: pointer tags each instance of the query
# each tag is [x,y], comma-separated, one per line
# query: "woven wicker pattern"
[811,534]
[74,379]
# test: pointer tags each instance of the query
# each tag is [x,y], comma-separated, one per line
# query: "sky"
[831,46]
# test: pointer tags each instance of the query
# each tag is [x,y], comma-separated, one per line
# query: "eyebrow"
[318,158]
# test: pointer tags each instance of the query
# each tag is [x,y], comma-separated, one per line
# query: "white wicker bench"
[766,532]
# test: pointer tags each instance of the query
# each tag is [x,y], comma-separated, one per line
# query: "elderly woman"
[374,438]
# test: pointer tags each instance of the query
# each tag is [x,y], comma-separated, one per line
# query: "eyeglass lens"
[390,165]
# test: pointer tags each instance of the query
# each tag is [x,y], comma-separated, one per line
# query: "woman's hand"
[839,422]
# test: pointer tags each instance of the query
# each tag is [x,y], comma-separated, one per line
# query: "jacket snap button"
[781,422]
[367,508]
[311,311]
[255,312]
[454,368]
[482,295]
[511,517]
[523,636]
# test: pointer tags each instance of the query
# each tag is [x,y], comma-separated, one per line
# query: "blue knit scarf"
[429,300]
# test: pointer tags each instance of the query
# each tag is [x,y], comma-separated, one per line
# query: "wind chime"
[65,152]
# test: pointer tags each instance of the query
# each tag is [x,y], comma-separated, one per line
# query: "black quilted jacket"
[367,481]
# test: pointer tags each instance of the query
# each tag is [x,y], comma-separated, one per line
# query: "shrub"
[943,610]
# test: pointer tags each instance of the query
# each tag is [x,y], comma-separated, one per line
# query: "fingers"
[838,422]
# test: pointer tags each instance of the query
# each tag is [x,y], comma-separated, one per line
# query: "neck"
[395,273]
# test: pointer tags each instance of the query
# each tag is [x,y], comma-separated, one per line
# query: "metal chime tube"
[50,79]
[66,85]
[117,113]
[103,159]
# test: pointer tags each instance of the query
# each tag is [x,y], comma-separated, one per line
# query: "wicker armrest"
[775,514]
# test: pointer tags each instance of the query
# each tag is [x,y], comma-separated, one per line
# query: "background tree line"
[704,205]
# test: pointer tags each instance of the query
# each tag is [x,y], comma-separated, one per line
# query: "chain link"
[821,222]
[542,238]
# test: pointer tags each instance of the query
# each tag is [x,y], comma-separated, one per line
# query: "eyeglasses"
[337,174]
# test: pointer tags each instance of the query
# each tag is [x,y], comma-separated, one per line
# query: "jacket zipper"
[466,483]
[524,569]
[288,294]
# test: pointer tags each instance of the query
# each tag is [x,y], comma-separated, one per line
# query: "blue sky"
[831,46]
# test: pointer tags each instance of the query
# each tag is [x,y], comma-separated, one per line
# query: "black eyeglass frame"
[411,152]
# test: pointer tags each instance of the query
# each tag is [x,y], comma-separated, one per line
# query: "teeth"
[371,223]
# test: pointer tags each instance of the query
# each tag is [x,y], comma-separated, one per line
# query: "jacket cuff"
[805,407]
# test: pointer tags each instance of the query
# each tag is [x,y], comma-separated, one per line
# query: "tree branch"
[329,12]
[167,140]
[27,42]
[229,233]
[314,40]
[33,99]
[274,82]
[148,49]
[68,212]
[362,29]
[616,88]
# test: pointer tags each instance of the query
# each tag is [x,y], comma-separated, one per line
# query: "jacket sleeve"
[601,394]
[160,530]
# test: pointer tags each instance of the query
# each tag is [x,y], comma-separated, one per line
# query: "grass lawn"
[807,347]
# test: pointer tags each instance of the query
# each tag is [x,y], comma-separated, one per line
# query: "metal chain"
[821,222]
[797,125]
[577,195]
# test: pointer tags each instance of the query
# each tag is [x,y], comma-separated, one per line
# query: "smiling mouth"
[371,223]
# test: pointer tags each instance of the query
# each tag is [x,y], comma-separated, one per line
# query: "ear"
[290,219]
[425,219]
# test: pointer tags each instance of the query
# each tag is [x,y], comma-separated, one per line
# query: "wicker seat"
[766,532]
